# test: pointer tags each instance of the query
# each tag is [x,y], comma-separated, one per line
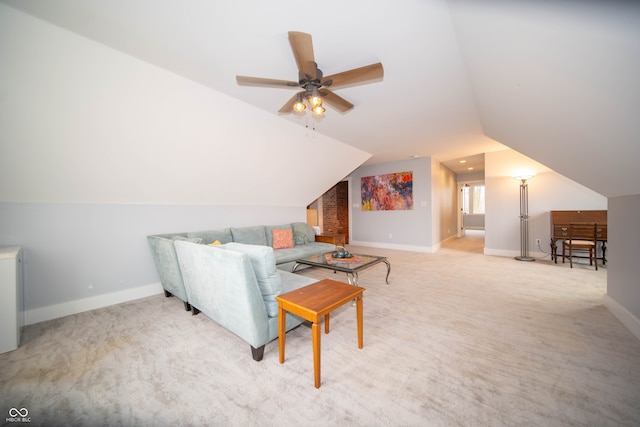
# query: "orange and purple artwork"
[388,192]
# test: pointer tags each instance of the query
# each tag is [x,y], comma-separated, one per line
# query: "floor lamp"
[524,217]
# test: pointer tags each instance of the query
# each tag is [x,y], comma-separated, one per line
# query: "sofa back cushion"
[253,235]
[187,239]
[302,233]
[269,231]
[264,267]
[210,236]
[282,239]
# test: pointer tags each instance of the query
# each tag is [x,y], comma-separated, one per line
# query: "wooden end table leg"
[326,323]
[359,316]
[282,333]
[315,333]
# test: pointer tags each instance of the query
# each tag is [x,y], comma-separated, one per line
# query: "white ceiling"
[428,103]
[466,165]
[423,106]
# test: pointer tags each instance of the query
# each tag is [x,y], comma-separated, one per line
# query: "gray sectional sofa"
[235,284]
[218,276]
[166,262]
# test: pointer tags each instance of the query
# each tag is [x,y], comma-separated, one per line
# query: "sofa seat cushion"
[302,251]
[252,235]
[264,267]
[292,281]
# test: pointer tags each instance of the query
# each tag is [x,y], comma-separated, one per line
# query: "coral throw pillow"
[282,239]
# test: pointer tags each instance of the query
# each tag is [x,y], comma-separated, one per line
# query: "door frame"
[461,185]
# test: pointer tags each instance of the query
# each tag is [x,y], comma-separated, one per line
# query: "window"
[473,198]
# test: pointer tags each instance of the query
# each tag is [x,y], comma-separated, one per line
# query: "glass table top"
[356,262]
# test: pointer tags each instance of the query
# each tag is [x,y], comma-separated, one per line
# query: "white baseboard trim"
[623,315]
[412,248]
[513,254]
[501,252]
[55,311]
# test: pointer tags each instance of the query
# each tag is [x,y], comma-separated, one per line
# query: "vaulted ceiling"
[556,81]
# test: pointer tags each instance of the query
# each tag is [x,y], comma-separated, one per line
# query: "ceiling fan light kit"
[299,106]
[313,83]
[318,110]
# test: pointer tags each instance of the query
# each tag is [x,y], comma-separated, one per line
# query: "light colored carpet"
[456,339]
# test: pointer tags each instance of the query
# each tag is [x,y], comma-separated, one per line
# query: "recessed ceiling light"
[463,161]
[470,169]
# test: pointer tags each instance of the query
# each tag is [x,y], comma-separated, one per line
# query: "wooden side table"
[313,303]
[334,238]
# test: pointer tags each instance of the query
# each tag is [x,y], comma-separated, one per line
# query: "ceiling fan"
[313,83]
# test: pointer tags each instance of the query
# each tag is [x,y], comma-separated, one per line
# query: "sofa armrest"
[221,284]
[166,262]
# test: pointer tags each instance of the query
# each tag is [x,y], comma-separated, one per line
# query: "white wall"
[444,191]
[83,256]
[548,191]
[99,149]
[471,177]
[409,229]
[623,274]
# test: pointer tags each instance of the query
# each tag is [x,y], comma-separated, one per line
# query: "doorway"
[330,211]
[471,206]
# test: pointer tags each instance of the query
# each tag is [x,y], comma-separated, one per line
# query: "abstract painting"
[388,192]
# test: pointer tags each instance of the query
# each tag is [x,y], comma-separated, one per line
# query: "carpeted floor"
[456,339]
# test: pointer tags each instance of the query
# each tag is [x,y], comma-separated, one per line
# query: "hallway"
[473,241]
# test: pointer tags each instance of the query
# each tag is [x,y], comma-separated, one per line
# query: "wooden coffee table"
[313,303]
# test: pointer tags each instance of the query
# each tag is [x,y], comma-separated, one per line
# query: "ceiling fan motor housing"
[305,79]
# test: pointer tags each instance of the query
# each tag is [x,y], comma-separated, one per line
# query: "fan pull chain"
[313,122]
[306,121]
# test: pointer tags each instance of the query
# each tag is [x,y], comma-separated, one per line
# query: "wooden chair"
[582,238]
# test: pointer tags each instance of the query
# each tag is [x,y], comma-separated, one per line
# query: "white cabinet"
[11,304]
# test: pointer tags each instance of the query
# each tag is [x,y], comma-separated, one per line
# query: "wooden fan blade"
[336,101]
[356,76]
[288,107]
[302,47]
[259,81]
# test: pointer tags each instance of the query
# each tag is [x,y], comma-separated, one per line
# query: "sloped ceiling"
[83,123]
[556,81]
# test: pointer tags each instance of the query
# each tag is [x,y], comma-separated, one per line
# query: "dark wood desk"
[560,221]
